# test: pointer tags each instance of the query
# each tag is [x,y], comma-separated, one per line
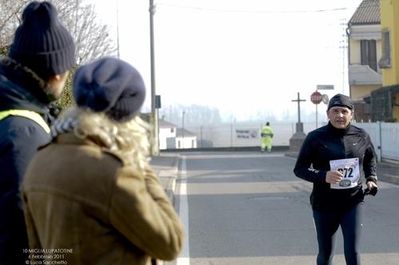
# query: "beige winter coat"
[84,206]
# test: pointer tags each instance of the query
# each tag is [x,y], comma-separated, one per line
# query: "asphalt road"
[249,208]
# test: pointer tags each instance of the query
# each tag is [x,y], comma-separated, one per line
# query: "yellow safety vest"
[34,116]
[267,131]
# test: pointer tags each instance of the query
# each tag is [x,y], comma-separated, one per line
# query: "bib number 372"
[349,168]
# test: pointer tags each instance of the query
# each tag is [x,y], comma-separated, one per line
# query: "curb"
[168,178]
[389,178]
[391,173]
[169,182]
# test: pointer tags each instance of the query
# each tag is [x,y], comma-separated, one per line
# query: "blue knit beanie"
[41,42]
[110,85]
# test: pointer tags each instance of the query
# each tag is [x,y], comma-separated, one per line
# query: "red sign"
[316,97]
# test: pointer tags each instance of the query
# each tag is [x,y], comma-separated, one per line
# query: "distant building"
[171,137]
[167,135]
[185,139]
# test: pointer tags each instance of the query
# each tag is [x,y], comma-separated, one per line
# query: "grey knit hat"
[110,85]
[41,42]
[341,101]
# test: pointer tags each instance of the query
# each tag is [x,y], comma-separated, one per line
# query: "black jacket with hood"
[19,139]
[329,143]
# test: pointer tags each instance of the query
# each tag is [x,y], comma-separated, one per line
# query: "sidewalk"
[388,172]
[165,166]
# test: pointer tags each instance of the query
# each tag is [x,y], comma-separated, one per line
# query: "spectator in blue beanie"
[32,76]
[92,191]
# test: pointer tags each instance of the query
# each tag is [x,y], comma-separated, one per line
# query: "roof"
[165,124]
[179,133]
[368,12]
[364,75]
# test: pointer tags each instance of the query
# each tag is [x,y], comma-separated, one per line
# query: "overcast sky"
[242,57]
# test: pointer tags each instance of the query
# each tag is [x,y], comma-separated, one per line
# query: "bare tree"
[91,36]
[79,17]
[9,20]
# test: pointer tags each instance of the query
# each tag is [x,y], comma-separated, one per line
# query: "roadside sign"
[325,99]
[316,97]
[325,87]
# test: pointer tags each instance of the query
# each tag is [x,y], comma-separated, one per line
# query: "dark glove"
[53,112]
[373,191]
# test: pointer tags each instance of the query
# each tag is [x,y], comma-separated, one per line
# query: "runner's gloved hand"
[371,191]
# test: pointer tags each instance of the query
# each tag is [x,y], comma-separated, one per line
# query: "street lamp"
[117,28]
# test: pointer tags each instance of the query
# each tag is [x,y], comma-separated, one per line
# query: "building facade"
[373,60]
[172,137]
[364,52]
[385,101]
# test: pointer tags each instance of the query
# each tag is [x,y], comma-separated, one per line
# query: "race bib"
[349,167]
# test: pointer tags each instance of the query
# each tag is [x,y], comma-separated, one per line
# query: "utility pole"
[117,28]
[155,149]
[182,130]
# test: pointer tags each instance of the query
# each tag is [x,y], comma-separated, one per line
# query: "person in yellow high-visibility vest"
[32,78]
[266,138]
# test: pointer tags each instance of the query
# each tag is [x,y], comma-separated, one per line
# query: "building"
[364,52]
[171,137]
[185,139]
[385,101]
[373,60]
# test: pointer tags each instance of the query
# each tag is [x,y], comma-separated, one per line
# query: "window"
[368,56]
[385,61]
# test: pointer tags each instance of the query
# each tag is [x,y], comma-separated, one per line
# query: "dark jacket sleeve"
[19,143]
[19,140]
[370,162]
[304,166]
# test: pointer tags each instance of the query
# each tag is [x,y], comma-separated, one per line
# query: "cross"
[299,106]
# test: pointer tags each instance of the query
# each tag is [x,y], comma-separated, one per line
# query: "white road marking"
[184,258]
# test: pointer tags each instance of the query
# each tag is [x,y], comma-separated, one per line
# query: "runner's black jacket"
[329,143]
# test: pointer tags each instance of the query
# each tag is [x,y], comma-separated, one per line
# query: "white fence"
[385,136]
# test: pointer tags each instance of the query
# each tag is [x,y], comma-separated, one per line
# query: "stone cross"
[299,127]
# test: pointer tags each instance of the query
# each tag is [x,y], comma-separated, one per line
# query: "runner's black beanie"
[341,101]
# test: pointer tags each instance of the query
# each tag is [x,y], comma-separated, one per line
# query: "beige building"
[373,60]
[364,51]
[385,101]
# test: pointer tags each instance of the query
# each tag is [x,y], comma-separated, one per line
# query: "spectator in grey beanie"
[100,190]
[31,77]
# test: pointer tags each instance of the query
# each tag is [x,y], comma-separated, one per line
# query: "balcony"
[363,75]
